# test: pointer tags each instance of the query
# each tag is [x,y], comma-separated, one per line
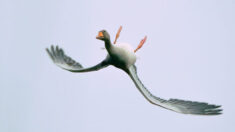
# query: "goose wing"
[177,105]
[65,62]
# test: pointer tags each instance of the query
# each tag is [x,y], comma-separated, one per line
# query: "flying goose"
[123,56]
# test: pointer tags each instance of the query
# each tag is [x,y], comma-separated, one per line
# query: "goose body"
[123,56]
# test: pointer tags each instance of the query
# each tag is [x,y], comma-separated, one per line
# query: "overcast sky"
[189,54]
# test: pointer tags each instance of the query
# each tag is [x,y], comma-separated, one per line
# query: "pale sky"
[189,54]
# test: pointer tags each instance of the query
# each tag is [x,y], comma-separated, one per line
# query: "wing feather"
[177,105]
[62,60]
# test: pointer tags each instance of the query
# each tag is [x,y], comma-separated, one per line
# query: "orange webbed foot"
[117,35]
[141,43]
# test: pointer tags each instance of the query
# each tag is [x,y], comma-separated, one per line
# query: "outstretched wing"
[62,60]
[177,105]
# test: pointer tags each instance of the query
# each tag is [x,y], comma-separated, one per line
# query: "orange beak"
[100,35]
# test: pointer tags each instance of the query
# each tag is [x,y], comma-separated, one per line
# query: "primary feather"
[177,105]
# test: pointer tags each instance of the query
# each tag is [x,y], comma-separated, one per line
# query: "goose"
[123,56]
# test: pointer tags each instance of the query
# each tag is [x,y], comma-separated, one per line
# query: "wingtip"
[216,110]
[49,53]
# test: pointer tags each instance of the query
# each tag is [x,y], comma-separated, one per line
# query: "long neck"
[108,45]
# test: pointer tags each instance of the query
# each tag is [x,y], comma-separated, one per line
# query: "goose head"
[103,35]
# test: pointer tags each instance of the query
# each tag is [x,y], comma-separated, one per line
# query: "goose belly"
[124,55]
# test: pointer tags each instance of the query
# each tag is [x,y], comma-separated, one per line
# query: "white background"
[189,54]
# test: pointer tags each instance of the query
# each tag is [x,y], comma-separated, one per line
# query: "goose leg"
[141,43]
[117,35]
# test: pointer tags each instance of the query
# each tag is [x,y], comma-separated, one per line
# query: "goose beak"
[100,36]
